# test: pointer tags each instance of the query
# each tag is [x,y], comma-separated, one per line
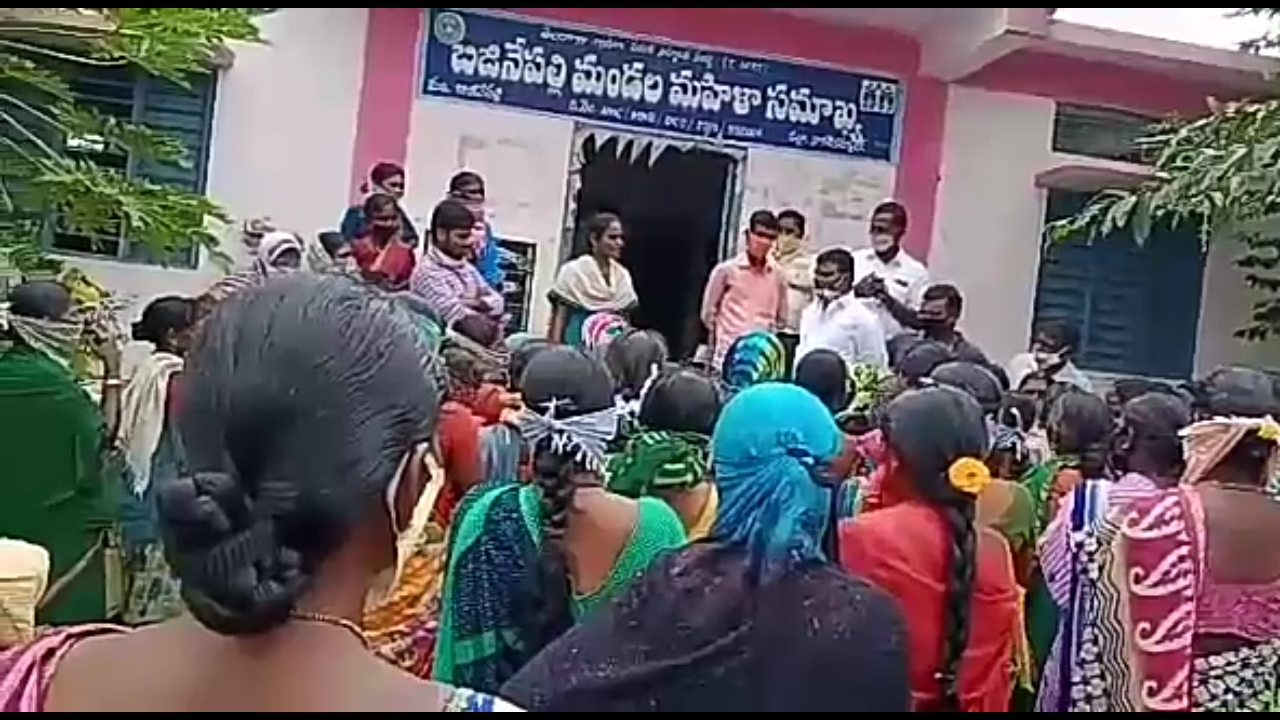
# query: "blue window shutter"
[1137,307]
[186,114]
[1175,288]
[111,92]
[183,113]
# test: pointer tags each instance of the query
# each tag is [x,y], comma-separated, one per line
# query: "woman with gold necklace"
[307,425]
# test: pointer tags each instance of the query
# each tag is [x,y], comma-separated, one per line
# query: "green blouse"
[657,530]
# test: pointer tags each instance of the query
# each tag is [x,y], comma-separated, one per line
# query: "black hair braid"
[238,578]
[959,516]
[553,474]
[931,430]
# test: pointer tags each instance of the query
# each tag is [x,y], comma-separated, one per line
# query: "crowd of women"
[313,494]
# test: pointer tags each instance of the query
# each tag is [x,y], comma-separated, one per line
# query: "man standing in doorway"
[891,281]
[746,292]
[796,265]
[836,320]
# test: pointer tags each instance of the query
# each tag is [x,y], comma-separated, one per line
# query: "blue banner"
[656,86]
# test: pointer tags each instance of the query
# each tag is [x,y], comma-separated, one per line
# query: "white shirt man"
[836,320]
[905,278]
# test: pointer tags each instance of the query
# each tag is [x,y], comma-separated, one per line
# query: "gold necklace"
[1240,487]
[332,621]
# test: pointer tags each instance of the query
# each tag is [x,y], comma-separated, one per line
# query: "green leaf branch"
[1219,173]
[43,183]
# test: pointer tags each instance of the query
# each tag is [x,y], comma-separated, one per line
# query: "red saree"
[388,266]
[459,436]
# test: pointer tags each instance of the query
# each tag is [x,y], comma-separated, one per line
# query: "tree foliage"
[1220,172]
[41,182]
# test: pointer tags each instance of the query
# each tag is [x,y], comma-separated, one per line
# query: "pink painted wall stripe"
[388,90]
[920,160]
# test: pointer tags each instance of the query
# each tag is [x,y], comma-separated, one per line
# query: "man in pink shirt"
[747,292]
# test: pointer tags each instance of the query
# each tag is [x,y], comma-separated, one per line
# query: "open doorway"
[673,210]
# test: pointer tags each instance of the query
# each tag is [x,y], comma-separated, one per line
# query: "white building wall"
[987,225]
[988,230]
[1224,307]
[284,131]
[836,194]
[283,137]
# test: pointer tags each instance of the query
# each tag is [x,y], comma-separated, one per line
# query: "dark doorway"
[672,208]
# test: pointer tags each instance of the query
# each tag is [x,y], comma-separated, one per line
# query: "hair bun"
[237,578]
[203,508]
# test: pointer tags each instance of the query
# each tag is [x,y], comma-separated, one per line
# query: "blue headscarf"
[768,447]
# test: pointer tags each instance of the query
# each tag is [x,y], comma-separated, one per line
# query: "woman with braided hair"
[307,428]
[954,579]
[1146,455]
[1006,505]
[526,561]
[1174,607]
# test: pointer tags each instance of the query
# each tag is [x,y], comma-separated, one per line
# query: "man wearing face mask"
[747,292]
[886,277]
[940,308]
[836,320]
[1052,348]
[796,264]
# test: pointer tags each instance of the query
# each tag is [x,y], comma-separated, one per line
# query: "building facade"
[983,122]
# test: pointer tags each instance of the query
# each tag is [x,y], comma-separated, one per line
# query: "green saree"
[1041,611]
[493,556]
[53,494]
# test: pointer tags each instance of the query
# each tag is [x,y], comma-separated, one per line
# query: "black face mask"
[831,284]
[935,326]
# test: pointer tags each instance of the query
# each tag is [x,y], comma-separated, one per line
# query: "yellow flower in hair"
[1269,430]
[969,475]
